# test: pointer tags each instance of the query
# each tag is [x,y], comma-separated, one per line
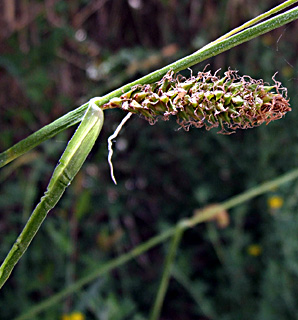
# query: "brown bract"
[231,102]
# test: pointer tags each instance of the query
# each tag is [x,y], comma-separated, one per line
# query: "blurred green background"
[54,56]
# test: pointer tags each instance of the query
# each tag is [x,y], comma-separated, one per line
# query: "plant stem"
[164,283]
[254,21]
[206,52]
[198,217]
[201,216]
[45,133]
[112,264]
[71,161]
[197,295]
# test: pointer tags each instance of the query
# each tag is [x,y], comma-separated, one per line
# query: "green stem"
[201,216]
[164,283]
[204,215]
[254,21]
[197,295]
[206,52]
[71,161]
[45,133]
[112,264]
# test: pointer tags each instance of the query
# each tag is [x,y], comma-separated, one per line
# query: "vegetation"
[164,175]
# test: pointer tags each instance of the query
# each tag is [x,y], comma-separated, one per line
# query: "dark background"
[54,56]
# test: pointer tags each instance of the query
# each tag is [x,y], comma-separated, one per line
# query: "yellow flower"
[254,250]
[275,202]
[77,316]
[65,317]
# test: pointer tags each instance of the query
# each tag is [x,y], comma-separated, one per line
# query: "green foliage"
[163,174]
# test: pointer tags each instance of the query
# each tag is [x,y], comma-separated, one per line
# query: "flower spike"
[231,102]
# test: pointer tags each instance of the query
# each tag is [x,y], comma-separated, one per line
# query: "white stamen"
[110,143]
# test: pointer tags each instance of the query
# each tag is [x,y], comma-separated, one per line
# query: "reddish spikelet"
[231,102]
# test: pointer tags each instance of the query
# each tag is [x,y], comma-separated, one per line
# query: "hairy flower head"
[207,100]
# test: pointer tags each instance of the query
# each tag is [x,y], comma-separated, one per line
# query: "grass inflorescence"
[207,100]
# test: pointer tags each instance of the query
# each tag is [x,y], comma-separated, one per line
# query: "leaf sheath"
[69,164]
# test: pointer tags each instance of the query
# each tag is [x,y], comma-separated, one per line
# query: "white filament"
[110,144]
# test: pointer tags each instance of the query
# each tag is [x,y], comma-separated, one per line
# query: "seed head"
[230,102]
